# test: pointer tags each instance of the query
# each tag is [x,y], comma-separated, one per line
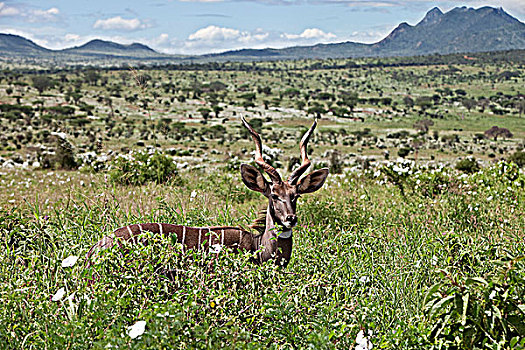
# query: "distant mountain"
[16,45]
[319,51]
[461,29]
[328,50]
[99,47]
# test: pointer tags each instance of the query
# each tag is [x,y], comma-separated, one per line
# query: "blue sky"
[203,26]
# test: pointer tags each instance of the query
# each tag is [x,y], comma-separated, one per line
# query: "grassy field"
[364,257]
[409,253]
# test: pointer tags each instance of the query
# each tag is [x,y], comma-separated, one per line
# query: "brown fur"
[259,224]
[190,237]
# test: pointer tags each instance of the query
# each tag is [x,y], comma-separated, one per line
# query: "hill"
[459,30]
[11,45]
[99,47]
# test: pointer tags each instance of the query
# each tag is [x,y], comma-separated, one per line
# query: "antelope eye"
[275,197]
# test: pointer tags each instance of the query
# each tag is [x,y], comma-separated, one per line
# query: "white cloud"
[161,40]
[214,33]
[49,15]
[310,33]
[515,7]
[72,37]
[6,10]
[119,23]
[214,39]
[29,14]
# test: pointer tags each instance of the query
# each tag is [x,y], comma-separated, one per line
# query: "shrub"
[398,172]
[403,152]
[518,157]
[431,184]
[468,165]
[61,155]
[92,162]
[476,313]
[140,167]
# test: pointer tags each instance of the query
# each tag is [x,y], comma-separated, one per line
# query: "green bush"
[403,152]
[468,165]
[61,155]
[398,173]
[518,157]
[479,313]
[140,167]
[431,183]
[502,174]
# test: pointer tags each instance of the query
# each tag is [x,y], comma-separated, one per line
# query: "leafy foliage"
[468,165]
[140,167]
[476,313]
[518,157]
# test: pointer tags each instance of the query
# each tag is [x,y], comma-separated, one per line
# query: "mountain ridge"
[99,46]
[461,29]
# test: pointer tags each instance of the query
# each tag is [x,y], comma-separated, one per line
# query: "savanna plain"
[416,241]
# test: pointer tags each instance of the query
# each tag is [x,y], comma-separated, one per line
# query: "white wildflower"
[215,248]
[59,294]
[364,279]
[137,329]
[397,169]
[62,135]
[362,342]
[70,261]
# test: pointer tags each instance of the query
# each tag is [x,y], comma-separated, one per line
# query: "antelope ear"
[253,178]
[313,181]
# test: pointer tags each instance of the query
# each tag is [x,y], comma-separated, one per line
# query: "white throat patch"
[286,234]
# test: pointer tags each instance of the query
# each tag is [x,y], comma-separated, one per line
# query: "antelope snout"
[291,220]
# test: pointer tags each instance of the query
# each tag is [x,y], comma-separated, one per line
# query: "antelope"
[274,242]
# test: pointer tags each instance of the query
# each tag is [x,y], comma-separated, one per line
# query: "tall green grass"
[364,258]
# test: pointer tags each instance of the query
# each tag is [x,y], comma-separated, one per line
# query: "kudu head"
[282,195]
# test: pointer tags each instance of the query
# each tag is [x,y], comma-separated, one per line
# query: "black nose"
[292,219]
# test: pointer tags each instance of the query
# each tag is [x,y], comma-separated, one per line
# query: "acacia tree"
[109,102]
[205,112]
[408,101]
[423,125]
[496,132]
[521,106]
[468,103]
[316,110]
[91,77]
[42,83]
[424,102]
[217,109]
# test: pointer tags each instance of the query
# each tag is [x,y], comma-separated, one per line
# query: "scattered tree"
[42,83]
[496,132]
